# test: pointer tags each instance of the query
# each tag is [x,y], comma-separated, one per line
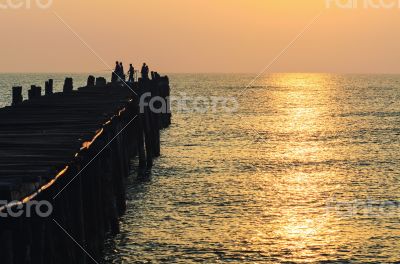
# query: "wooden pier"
[73,149]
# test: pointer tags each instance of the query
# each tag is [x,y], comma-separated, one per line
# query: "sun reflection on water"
[262,188]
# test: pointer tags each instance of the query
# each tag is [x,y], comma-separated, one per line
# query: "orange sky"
[200,36]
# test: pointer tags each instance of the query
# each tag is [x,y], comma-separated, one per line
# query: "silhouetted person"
[122,73]
[131,73]
[116,72]
[145,71]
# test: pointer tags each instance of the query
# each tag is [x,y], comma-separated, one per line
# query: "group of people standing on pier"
[119,73]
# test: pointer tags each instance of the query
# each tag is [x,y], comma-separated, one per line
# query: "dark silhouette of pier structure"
[73,149]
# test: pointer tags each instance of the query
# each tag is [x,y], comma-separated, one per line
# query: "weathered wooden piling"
[31,93]
[101,81]
[17,95]
[34,92]
[91,81]
[68,85]
[72,149]
[49,87]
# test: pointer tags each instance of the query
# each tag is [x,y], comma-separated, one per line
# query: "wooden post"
[46,88]
[167,89]
[101,82]
[37,91]
[30,94]
[149,140]
[49,87]
[91,81]
[148,125]
[68,85]
[17,95]
[34,92]
[140,142]
[140,130]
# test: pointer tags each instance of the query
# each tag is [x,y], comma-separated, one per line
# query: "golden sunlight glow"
[200,36]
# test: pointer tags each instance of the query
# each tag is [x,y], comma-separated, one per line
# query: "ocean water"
[307,170]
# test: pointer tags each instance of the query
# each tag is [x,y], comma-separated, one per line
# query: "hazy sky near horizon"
[200,36]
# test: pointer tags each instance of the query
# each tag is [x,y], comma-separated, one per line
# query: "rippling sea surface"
[307,170]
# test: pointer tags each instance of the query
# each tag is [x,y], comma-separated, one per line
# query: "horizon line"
[201,72]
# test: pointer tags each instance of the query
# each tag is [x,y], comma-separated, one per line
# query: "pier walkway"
[72,150]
